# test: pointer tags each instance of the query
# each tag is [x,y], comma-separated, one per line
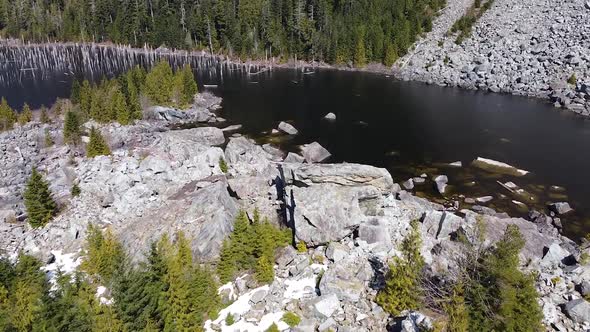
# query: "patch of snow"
[230,286]
[240,307]
[296,288]
[501,164]
[64,263]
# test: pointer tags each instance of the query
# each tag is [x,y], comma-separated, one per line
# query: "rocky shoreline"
[532,48]
[352,217]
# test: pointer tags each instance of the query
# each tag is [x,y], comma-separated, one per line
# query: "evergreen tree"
[390,55]
[104,255]
[26,115]
[456,310]
[75,192]
[97,146]
[264,270]
[7,116]
[118,107]
[72,129]
[44,116]
[159,84]
[226,268]
[38,201]
[75,92]
[48,140]
[85,98]
[185,86]
[402,284]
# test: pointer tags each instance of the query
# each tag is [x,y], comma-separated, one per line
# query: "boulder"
[341,174]
[294,158]
[441,224]
[560,207]
[209,136]
[375,231]
[165,113]
[578,310]
[336,251]
[408,184]
[315,153]
[340,280]
[287,128]
[555,254]
[326,212]
[441,183]
[325,306]
[330,116]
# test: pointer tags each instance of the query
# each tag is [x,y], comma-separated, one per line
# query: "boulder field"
[352,218]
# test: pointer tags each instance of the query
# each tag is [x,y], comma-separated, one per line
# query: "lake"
[409,128]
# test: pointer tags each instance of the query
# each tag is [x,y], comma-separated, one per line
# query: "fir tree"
[72,130]
[457,312]
[26,115]
[38,201]
[185,86]
[97,146]
[75,92]
[264,270]
[104,255]
[85,98]
[118,108]
[44,116]
[390,55]
[226,268]
[7,115]
[402,283]
[159,84]
[48,139]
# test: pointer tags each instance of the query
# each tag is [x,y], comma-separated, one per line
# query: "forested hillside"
[334,31]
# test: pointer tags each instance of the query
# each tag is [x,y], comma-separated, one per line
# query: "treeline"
[489,292]
[330,30]
[169,291]
[465,23]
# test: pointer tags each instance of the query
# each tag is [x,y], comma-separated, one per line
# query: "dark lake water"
[409,128]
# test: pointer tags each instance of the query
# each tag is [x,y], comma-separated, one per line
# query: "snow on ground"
[100,291]
[501,164]
[64,263]
[229,286]
[242,306]
[296,289]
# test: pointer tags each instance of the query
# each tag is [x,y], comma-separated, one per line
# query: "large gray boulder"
[315,153]
[375,231]
[287,128]
[206,216]
[246,157]
[441,224]
[327,212]
[325,305]
[341,174]
[441,183]
[342,281]
[578,310]
[560,207]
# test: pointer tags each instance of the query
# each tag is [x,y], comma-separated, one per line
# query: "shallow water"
[409,128]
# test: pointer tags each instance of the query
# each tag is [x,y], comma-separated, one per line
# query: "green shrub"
[48,139]
[572,79]
[291,319]
[222,165]
[229,319]
[301,247]
[75,190]
[273,328]
[72,129]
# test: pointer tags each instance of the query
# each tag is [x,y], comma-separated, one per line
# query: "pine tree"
[7,116]
[390,55]
[75,92]
[226,268]
[159,84]
[118,107]
[38,201]
[72,129]
[402,283]
[85,98]
[185,86]
[179,312]
[104,254]
[48,140]
[75,192]
[264,270]
[457,312]
[26,115]
[97,146]
[44,116]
